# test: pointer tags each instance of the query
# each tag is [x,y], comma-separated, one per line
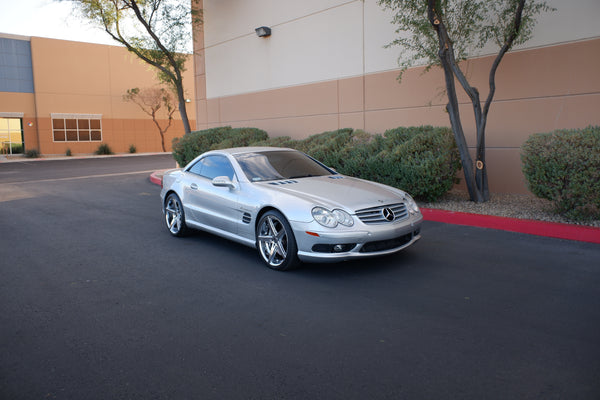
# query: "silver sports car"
[289,206]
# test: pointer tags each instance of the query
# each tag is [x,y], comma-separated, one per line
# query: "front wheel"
[174,216]
[276,242]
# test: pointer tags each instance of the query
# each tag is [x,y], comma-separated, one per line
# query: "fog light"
[333,248]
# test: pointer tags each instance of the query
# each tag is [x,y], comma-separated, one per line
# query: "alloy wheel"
[275,241]
[174,216]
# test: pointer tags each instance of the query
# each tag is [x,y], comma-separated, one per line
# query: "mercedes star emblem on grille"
[388,214]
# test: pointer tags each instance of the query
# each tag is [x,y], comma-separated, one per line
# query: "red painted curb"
[156,178]
[532,227]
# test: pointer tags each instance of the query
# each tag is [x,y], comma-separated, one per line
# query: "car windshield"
[274,165]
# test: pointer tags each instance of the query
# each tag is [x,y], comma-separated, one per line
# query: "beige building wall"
[21,104]
[325,67]
[75,78]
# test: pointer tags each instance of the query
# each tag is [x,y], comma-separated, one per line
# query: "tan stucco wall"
[82,78]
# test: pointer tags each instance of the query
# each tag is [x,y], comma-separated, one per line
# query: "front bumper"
[359,241]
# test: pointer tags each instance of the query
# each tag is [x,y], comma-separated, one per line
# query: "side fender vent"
[246,218]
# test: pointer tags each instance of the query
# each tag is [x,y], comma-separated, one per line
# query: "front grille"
[389,244]
[383,214]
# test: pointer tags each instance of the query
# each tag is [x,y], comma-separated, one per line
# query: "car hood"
[338,191]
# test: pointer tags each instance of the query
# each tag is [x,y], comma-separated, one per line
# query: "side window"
[212,166]
[196,168]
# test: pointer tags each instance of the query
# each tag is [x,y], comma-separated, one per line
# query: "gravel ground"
[504,205]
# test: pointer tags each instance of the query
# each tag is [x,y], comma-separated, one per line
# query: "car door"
[211,206]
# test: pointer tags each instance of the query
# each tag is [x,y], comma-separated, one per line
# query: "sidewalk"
[531,227]
[11,159]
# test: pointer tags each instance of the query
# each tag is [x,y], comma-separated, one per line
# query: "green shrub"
[352,159]
[564,166]
[421,160]
[103,149]
[279,141]
[240,137]
[188,147]
[12,148]
[32,153]
[327,147]
[68,153]
[132,149]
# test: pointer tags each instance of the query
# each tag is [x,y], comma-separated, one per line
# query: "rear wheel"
[276,242]
[174,216]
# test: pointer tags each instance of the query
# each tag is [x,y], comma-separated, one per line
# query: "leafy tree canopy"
[157,31]
[472,26]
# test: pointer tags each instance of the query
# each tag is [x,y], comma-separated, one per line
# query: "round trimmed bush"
[103,149]
[190,146]
[564,166]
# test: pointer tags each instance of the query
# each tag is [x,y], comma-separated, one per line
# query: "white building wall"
[320,40]
[311,41]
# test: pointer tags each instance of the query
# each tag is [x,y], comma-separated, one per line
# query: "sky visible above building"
[48,18]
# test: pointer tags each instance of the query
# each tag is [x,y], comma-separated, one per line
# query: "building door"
[11,136]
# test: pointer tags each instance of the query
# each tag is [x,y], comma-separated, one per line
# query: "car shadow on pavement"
[368,266]
[247,257]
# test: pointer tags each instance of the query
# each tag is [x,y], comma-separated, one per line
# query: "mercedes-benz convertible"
[289,206]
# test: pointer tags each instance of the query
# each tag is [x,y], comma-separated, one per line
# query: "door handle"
[193,186]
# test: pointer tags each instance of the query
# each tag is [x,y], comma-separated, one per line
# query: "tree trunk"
[182,107]
[184,117]
[475,193]
[162,134]
[481,178]
[476,181]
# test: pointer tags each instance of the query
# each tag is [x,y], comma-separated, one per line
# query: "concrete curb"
[531,227]
[4,159]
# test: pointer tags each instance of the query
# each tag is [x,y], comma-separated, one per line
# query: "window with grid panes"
[77,127]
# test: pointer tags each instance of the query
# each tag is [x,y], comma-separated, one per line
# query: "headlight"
[331,219]
[343,217]
[324,217]
[411,205]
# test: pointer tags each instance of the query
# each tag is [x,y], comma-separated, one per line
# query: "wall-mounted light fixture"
[263,31]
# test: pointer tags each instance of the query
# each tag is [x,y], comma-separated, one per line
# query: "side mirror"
[223,181]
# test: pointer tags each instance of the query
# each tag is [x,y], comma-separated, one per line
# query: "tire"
[175,216]
[275,242]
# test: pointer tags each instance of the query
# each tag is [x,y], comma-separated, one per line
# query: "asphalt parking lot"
[98,301]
